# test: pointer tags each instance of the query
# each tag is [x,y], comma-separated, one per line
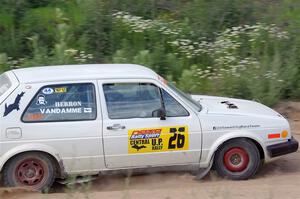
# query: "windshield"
[196,105]
[5,84]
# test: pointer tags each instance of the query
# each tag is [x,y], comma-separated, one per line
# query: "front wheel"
[237,159]
[32,170]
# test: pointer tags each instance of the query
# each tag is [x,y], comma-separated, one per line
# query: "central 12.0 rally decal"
[148,140]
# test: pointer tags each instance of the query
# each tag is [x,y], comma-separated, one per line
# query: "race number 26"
[178,139]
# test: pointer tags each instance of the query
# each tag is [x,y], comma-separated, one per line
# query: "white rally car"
[88,119]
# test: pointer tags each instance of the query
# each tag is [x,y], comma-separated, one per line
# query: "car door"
[133,133]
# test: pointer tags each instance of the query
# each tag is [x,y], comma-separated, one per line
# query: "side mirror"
[161,113]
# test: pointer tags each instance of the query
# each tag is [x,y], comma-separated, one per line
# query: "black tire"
[237,159]
[33,170]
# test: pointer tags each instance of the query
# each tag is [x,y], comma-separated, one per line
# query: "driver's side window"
[139,100]
[131,100]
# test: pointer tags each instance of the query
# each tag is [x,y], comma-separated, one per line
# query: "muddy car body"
[85,119]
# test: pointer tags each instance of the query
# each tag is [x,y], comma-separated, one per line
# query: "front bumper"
[283,148]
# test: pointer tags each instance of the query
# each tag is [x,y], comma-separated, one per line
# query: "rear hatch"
[8,83]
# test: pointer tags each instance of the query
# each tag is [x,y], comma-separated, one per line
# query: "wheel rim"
[236,159]
[30,172]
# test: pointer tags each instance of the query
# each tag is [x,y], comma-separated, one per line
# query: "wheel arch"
[257,144]
[43,149]
[228,137]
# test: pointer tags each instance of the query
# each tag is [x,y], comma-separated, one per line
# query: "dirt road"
[279,179]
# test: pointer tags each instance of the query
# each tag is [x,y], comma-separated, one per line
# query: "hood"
[231,106]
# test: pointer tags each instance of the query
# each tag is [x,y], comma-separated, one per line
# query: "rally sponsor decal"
[41,100]
[48,91]
[148,140]
[61,90]
[87,110]
[35,116]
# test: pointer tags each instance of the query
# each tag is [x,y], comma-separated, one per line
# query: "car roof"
[83,72]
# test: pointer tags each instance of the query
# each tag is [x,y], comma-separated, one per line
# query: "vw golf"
[57,121]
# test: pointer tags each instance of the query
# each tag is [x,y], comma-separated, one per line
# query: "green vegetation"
[237,48]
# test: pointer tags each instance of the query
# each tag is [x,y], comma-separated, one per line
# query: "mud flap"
[203,172]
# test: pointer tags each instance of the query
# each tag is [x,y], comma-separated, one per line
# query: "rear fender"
[30,148]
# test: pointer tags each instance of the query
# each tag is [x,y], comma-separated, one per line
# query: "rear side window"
[5,84]
[68,102]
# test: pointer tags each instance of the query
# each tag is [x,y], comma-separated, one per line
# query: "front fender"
[228,136]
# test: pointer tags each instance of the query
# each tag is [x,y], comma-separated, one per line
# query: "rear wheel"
[32,170]
[237,159]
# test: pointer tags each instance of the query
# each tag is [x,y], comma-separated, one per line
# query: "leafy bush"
[204,47]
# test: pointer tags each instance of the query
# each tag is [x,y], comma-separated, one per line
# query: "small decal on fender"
[235,127]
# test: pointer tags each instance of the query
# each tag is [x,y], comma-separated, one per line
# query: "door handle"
[116,127]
